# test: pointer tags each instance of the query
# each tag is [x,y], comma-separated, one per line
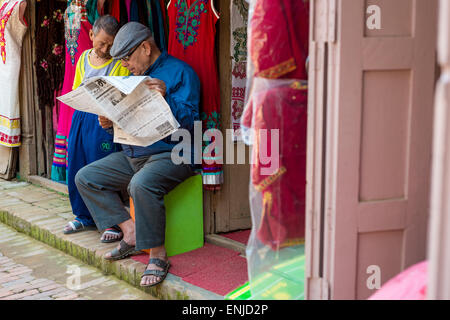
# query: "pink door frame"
[369,143]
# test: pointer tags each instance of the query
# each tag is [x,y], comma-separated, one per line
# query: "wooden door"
[371,115]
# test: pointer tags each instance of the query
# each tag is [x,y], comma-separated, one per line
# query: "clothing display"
[77,29]
[282,184]
[192,30]
[239,19]
[12,31]
[50,54]
[88,141]
[278,100]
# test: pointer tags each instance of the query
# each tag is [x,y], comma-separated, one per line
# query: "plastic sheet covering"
[275,124]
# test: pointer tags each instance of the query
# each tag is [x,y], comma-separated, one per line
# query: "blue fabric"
[88,142]
[134,13]
[183,97]
[160,28]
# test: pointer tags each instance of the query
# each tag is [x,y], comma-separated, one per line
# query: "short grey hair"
[107,23]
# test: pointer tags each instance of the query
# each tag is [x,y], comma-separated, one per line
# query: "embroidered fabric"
[275,119]
[12,32]
[192,39]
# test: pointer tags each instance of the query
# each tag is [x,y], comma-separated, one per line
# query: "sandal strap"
[157,273]
[112,231]
[76,225]
[158,262]
[124,246]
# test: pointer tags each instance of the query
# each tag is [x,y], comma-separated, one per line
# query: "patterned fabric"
[77,40]
[192,31]
[12,31]
[74,16]
[283,186]
[239,18]
[50,53]
[278,44]
[188,21]
[4,17]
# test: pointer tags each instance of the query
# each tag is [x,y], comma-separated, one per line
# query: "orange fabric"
[132,217]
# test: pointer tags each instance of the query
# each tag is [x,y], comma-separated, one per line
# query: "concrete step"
[42,213]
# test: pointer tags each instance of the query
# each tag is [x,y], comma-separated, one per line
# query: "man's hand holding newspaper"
[134,106]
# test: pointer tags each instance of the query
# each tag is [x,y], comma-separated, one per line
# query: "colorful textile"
[115,9]
[88,142]
[128,6]
[239,18]
[192,31]
[50,53]
[92,11]
[77,29]
[282,184]
[12,31]
[278,46]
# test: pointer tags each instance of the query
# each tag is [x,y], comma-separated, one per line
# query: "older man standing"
[148,173]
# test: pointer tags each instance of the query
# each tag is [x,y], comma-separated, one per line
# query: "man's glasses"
[128,57]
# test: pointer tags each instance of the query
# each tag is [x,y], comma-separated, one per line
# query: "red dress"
[192,30]
[278,46]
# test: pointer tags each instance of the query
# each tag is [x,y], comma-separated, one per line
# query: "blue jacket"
[183,97]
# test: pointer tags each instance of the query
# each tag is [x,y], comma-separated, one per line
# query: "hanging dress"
[12,32]
[115,9]
[192,31]
[278,47]
[77,28]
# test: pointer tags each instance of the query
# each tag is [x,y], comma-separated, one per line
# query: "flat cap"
[128,37]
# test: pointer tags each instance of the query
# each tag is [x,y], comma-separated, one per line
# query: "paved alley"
[31,270]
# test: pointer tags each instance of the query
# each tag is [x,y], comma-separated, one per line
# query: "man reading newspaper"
[148,173]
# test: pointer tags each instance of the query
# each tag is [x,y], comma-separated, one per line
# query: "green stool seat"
[184,216]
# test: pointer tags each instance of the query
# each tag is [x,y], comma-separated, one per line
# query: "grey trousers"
[147,180]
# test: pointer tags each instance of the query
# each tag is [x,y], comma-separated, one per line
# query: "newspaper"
[140,116]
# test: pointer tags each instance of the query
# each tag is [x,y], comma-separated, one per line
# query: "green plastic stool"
[184,217]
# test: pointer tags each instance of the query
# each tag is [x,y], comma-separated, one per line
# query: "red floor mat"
[184,264]
[221,278]
[213,268]
[240,236]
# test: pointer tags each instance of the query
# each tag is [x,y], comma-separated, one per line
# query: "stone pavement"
[42,214]
[31,270]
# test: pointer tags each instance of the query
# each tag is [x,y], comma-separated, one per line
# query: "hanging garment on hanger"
[128,6]
[278,49]
[115,9]
[77,28]
[239,19]
[142,12]
[149,15]
[165,21]
[123,13]
[161,31]
[192,39]
[92,11]
[134,13]
[12,32]
[50,52]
